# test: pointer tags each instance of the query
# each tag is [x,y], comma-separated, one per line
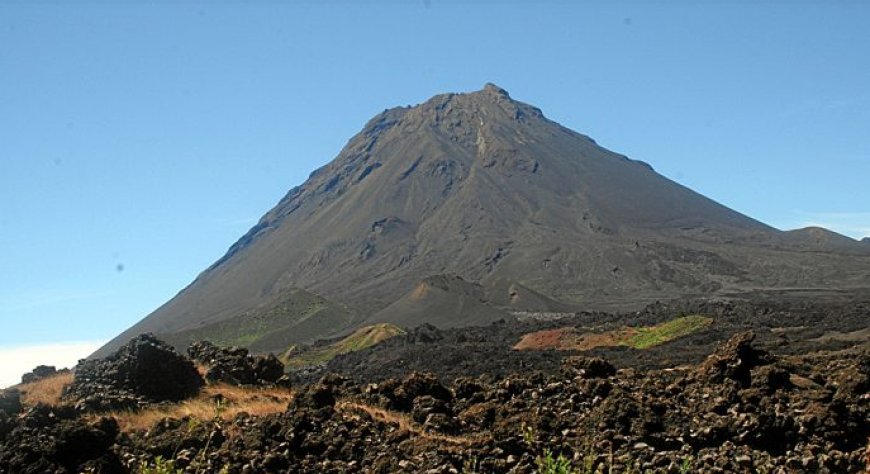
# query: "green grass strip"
[655,335]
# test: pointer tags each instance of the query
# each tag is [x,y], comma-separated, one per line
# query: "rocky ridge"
[740,409]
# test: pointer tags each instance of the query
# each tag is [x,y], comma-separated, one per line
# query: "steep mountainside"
[484,188]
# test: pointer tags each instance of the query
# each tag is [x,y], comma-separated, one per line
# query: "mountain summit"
[468,207]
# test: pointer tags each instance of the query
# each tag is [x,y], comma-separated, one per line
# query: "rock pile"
[143,371]
[235,366]
[41,372]
[47,439]
[733,361]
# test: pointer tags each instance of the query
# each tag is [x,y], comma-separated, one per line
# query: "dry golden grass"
[254,401]
[47,390]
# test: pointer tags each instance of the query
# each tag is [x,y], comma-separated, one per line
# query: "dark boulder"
[268,369]
[588,367]
[733,360]
[401,395]
[466,388]
[145,370]
[10,401]
[42,415]
[770,378]
[316,396]
[232,366]
[420,384]
[203,352]
[78,442]
[6,425]
[235,366]
[427,405]
[39,373]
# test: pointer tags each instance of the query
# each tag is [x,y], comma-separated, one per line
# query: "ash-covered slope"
[484,187]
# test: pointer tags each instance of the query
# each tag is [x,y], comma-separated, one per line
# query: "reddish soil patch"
[584,342]
[548,339]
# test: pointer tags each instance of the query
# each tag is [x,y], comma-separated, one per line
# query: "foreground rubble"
[740,410]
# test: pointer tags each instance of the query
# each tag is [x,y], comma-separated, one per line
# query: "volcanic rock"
[427,405]
[143,371]
[164,439]
[854,380]
[39,373]
[319,396]
[268,369]
[402,394]
[589,367]
[733,360]
[668,421]
[10,401]
[6,425]
[235,366]
[54,441]
[203,352]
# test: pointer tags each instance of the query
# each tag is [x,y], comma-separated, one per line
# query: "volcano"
[472,207]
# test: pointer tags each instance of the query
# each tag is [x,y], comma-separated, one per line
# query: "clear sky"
[138,141]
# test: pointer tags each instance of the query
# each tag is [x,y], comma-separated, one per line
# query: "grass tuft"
[548,463]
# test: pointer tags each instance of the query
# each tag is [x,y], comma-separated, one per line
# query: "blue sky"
[139,140]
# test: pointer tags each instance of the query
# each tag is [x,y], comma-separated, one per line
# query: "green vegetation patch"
[293,317]
[652,336]
[362,338]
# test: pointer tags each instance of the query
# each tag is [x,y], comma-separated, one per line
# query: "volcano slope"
[501,209]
